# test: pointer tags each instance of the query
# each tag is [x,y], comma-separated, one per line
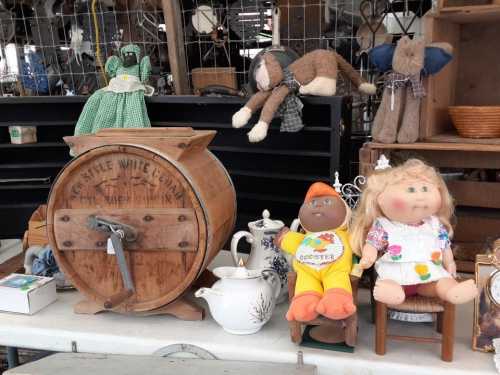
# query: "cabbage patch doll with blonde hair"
[404,216]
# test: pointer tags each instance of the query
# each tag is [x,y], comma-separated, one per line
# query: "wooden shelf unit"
[272,174]
[477,214]
[471,78]
[470,13]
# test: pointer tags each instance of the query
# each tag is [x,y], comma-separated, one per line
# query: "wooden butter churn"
[137,216]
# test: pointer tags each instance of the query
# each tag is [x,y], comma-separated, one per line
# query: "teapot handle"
[234,243]
[272,278]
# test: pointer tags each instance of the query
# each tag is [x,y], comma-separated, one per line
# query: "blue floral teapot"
[264,254]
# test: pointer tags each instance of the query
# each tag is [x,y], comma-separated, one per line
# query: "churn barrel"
[172,197]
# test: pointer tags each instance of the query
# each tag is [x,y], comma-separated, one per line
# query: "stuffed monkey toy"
[323,257]
[315,73]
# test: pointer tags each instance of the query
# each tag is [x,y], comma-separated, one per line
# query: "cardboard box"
[26,294]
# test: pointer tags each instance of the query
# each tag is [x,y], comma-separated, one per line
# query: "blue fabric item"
[381,57]
[45,264]
[34,76]
[435,58]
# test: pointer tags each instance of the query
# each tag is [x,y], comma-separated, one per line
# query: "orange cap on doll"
[319,189]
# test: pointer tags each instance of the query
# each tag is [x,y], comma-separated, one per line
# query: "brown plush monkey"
[315,73]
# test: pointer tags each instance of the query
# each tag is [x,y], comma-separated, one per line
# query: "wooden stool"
[445,323]
[326,330]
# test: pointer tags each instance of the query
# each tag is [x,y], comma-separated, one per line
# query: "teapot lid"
[266,222]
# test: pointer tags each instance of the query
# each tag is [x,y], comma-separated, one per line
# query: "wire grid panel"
[59,47]
[225,33]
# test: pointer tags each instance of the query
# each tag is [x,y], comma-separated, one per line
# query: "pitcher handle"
[294,227]
[234,243]
[273,278]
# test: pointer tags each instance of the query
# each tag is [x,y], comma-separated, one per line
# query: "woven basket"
[476,122]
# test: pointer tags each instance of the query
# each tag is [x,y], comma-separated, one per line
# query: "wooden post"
[439,322]
[448,332]
[380,328]
[175,40]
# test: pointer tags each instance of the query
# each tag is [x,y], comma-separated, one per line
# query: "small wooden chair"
[326,330]
[417,304]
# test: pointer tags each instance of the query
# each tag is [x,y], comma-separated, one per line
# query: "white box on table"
[26,294]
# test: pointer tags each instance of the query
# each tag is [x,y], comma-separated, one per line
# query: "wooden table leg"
[448,336]
[439,322]
[380,328]
[295,332]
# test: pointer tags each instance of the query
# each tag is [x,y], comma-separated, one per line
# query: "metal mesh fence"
[59,47]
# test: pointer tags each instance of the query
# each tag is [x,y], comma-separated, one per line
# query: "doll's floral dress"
[412,254]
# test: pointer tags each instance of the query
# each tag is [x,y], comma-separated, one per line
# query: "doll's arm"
[255,102]
[112,65]
[368,256]
[289,241]
[145,69]
[449,262]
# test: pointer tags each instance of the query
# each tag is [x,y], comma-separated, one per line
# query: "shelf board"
[34,145]
[32,165]
[278,176]
[38,123]
[24,187]
[269,197]
[225,125]
[470,14]
[270,151]
[445,142]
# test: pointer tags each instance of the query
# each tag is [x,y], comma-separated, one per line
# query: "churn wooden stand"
[173,202]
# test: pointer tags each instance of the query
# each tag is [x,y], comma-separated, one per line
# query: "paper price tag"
[110,249]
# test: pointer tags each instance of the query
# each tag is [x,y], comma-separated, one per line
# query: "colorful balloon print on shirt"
[423,271]
[320,243]
[436,257]
[395,251]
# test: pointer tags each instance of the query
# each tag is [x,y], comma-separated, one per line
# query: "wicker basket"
[476,122]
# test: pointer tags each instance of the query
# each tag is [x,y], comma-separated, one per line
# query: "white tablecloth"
[56,326]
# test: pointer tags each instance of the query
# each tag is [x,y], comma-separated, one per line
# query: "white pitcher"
[243,300]
[264,254]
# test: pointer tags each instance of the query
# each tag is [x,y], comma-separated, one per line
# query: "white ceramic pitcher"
[264,254]
[243,300]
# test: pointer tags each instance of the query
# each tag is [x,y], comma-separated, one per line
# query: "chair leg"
[448,336]
[295,332]
[380,328]
[439,322]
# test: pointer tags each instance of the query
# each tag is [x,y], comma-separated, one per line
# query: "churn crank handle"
[116,240]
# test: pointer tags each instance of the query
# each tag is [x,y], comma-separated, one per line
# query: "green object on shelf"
[121,104]
[309,342]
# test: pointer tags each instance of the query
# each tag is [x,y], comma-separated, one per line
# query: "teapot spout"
[208,294]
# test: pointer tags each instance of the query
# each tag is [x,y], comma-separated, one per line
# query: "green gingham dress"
[120,104]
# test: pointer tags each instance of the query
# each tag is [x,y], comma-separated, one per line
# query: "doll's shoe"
[389,292]
[303,307]
[336,304]
[461,292]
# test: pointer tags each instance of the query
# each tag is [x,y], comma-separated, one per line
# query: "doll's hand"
[280,235]
[452,269]
[369,256]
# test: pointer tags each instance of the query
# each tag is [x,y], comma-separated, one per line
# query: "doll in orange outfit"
[323,257]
